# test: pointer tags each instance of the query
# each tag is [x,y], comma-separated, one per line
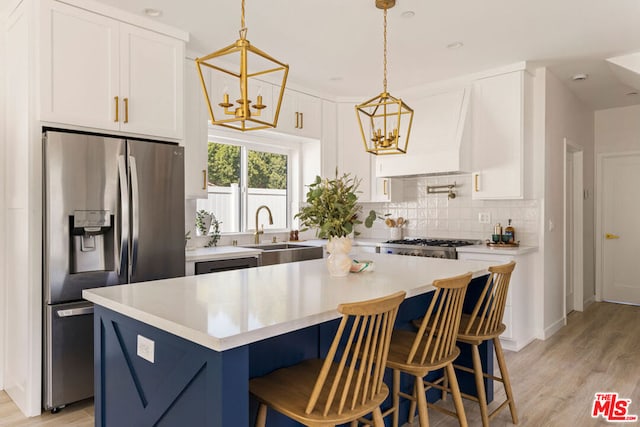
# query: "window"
[243,177]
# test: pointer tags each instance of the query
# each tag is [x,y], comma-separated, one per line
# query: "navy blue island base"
[190,385]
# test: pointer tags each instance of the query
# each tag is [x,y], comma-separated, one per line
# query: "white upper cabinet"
[352,157]
[101,73]
[151,82]
[438,142]
[80,67]
[195,134]
[300,114]
[499,135]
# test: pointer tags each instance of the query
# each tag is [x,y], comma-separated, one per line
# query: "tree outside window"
[265,174]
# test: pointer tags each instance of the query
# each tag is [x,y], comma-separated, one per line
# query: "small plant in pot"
[332,210]
[204,221]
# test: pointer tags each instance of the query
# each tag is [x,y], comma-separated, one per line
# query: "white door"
[151,82]
[569,231]
[620,233]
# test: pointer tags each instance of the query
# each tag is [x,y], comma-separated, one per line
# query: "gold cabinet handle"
[301,120]
[384,187]
[126,110]
[297,120]
[115,98]
[204,179]
[475,182]
[610,236]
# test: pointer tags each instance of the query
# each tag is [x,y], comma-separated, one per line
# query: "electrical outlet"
[146,348]
[484,218]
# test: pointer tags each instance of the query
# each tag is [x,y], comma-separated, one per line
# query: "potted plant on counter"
[332,210]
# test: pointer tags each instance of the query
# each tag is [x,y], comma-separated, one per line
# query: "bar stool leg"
[412,407]
[377,417]
[261,419]
[479,377]
[504,373]
[457,396]
[421,397]
[396,396]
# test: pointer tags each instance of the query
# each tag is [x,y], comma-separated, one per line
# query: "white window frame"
[266,143]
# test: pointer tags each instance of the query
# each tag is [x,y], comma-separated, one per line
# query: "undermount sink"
[280,253]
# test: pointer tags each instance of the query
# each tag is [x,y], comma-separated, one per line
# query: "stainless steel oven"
[433,248]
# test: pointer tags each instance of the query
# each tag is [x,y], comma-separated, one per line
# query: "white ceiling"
[335,46]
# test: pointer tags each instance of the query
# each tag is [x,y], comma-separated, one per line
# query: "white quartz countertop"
[220,252]
[484,249]
[234,308]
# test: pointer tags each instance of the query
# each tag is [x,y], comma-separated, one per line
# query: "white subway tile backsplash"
[435,215]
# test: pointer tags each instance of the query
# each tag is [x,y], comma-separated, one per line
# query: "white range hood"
[440,140]
[627,69]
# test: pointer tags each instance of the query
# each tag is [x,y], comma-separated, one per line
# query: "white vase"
[338,261]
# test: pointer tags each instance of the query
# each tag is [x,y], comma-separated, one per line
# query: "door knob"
[610,236]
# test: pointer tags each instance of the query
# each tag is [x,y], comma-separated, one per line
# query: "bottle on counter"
[510,232]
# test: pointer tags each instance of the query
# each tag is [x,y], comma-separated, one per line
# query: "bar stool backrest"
[359,349]
[436,337]
[487,315]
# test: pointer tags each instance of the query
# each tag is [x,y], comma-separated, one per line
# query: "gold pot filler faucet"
[258,232]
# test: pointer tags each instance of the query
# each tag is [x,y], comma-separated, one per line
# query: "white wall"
[23,219]
[617,130]
[3,308]
[565,117]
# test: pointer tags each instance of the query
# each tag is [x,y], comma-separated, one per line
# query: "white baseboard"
[551,330]
[588,302]
[516,346]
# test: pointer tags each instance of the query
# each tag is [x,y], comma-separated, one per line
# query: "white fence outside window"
[224,202]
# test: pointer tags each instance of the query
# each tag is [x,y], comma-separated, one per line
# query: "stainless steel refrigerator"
[114,214]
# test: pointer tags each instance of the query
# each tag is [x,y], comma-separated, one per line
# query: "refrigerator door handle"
[135,215]
[124,217]
[74,312]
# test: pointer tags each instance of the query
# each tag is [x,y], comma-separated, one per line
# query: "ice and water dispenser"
[92,241]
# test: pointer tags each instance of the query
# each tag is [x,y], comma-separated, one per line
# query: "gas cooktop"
[441,243]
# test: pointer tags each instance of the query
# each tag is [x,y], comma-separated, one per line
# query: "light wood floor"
[554,381]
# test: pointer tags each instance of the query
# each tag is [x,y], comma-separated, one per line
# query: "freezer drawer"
[68,346]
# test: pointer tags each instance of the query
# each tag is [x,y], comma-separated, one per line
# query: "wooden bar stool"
[432,347]
[485,323]
[340,388]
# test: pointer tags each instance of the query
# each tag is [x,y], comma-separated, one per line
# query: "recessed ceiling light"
[154,13]
[408,14]
[579,77]
[455,45]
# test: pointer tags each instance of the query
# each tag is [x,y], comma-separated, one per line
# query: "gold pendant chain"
[384,81]
[243,27]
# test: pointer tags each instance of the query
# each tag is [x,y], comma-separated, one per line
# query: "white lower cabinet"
[519,311]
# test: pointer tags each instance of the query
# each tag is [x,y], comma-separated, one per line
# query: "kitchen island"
[181,351]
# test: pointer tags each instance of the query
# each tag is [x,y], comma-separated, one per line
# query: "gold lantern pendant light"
[254,76]
[385,121]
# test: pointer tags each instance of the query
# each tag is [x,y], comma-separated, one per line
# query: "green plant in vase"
[332,210]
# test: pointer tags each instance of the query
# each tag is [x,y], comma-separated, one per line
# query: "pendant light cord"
[384,80]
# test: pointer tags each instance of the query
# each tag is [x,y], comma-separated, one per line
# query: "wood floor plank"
[554,381]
